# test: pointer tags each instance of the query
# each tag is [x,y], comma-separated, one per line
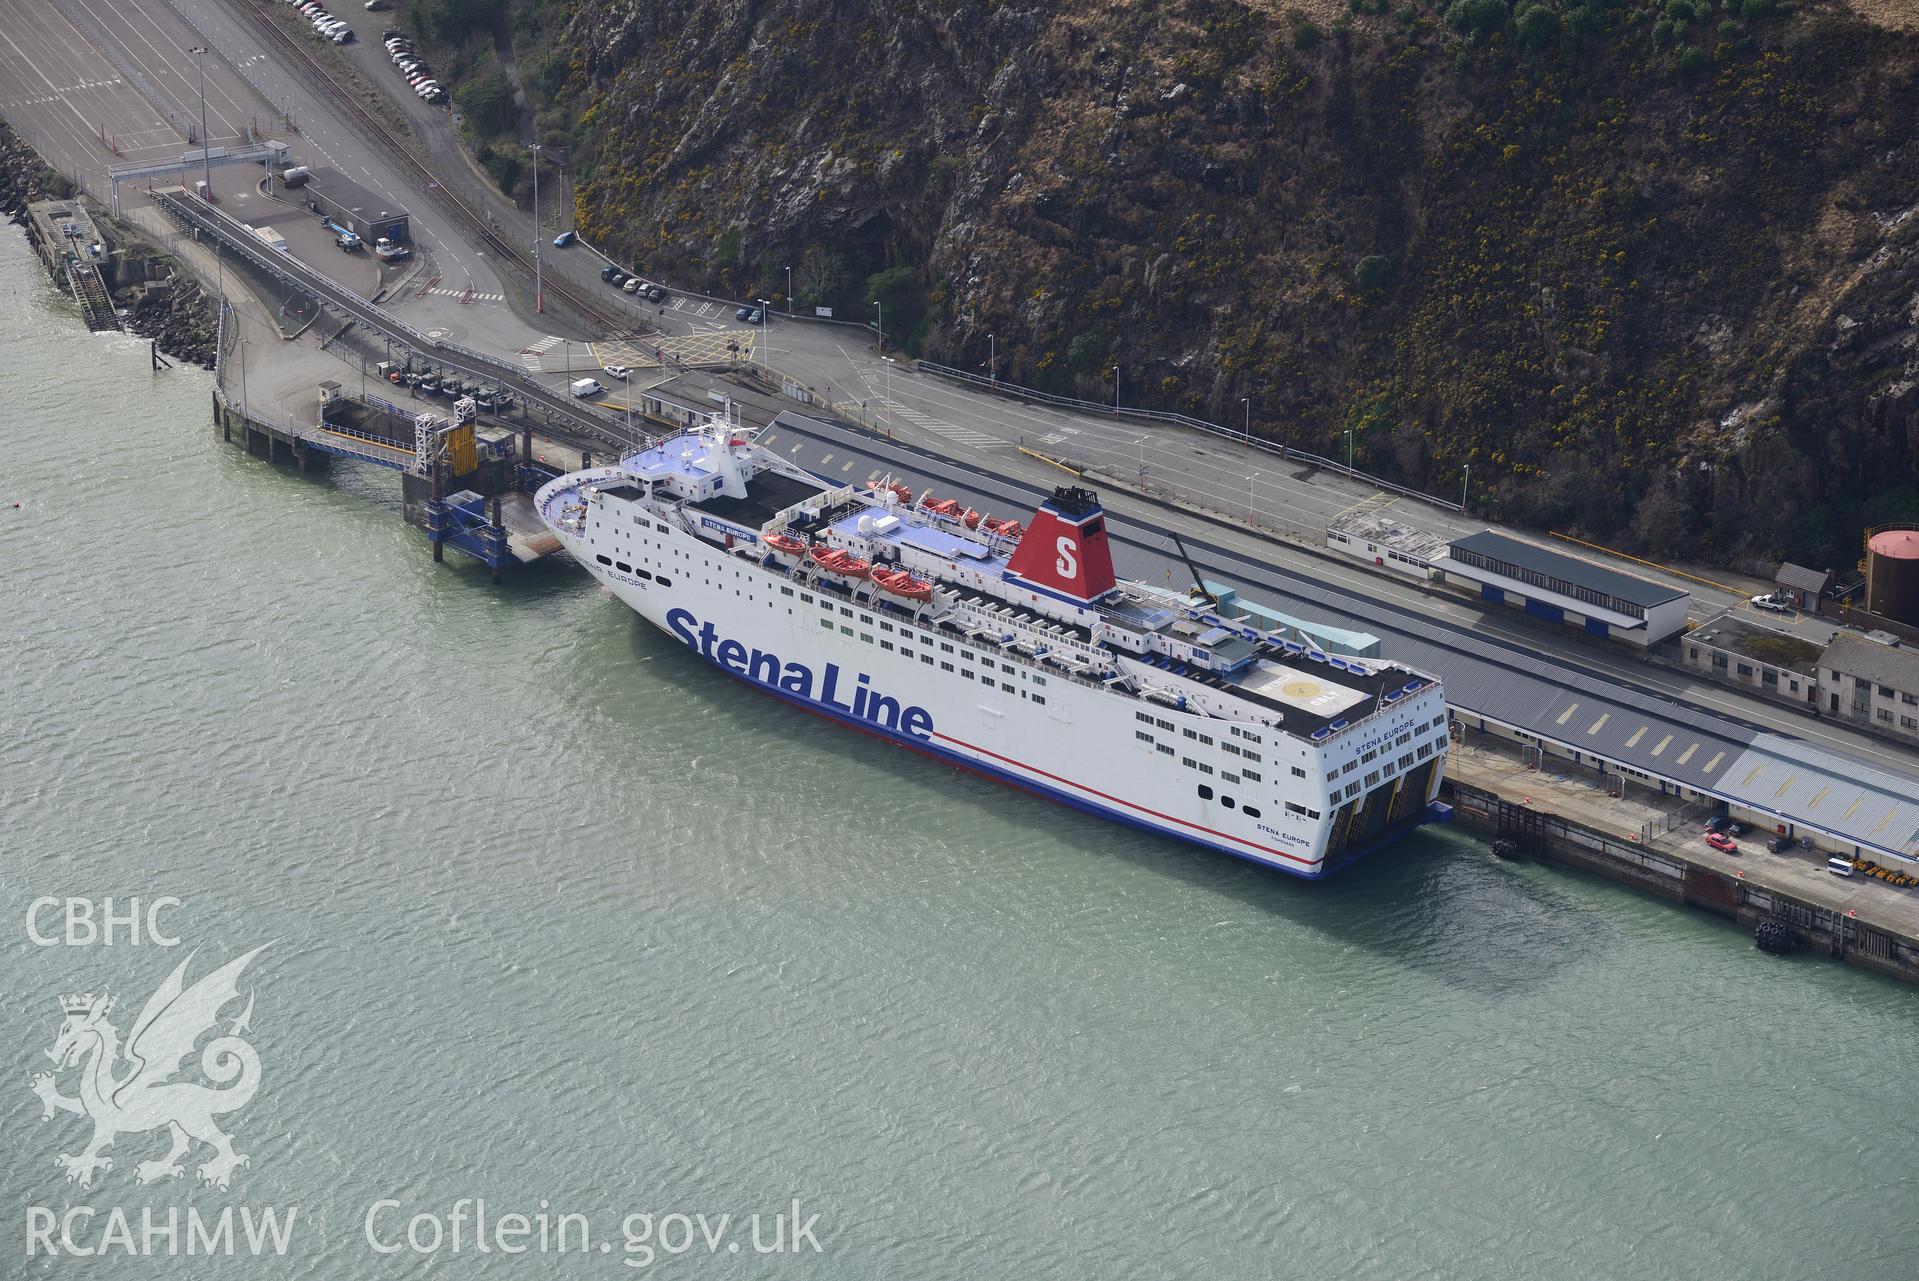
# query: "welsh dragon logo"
[125,1090]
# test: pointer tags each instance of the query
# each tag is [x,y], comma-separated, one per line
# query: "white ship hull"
[1016,719]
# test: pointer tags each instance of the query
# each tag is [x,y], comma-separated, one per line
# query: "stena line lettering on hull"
[866,702]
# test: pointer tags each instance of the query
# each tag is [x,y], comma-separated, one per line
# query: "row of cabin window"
[1206,794]
[625,568]
[986,680]
[946,647]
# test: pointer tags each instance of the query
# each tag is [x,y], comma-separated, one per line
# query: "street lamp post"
[539,293]
[206,154]
[1349,451]
[1464,481]
[1252,515]
[1247,401]
[243,377]
[766,309]
[1116,389]
[882,312]
[992,359]
[789,291]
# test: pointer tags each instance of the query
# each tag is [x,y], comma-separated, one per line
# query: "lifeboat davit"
[971,519]
[786,543]
[1004,528]
[902,493]
[898,582]
[943,506]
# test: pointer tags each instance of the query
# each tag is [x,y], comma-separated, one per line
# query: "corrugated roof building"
[1559,588]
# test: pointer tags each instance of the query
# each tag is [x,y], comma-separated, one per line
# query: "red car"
[1721,842]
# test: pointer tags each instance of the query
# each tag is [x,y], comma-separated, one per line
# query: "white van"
[1839,866]
[585,387]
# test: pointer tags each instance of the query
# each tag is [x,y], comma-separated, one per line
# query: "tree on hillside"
[819,277]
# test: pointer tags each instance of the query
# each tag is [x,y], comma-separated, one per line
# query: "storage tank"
[1892,575]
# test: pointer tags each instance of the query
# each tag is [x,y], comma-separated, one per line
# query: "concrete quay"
[1656,844]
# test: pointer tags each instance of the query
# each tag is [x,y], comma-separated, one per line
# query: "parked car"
[632,286]
[609,271]
[1780,844]
[1777,602]
[743,312]
[618,279]
[754,316]
[620,372]
[562,240]
[586,387]
[1721,842]
[654,293]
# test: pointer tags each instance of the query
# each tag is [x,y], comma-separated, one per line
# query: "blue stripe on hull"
[987,770]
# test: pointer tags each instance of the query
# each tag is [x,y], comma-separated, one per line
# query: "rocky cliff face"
[1651,272]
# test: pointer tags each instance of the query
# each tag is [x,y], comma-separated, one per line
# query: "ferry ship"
[1010,650]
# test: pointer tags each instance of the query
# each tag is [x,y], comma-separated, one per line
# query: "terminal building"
[1565,589]
[365,212]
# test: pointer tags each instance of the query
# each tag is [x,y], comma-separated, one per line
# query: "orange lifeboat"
[902,493]
[971,519]
[1004,528]
[837,561]
[787,544]
[943,506]
[898,582]
[848,565]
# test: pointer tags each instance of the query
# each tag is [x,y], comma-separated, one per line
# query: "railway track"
[370,126]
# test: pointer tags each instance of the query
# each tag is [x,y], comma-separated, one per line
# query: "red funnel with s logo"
[1065,550]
